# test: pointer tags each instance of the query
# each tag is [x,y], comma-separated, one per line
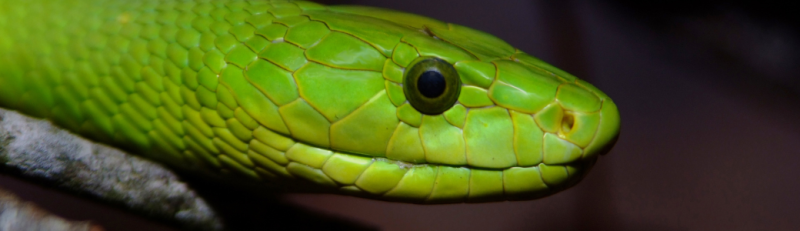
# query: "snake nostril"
[567,122]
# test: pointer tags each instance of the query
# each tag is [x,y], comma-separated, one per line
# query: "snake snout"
[607,130]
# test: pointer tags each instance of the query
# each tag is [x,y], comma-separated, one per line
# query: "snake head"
[358,100]
[402,107]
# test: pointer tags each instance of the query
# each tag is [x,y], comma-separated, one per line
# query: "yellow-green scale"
[286,90]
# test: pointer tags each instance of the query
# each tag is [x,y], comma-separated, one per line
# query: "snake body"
[294,92]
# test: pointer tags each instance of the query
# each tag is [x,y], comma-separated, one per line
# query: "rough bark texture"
[36,149]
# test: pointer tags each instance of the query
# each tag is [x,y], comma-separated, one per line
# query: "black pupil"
[431,84]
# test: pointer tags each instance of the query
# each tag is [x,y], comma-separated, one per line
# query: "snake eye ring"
[431,85]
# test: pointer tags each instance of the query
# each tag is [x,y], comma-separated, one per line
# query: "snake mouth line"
[393,180]
[279,158]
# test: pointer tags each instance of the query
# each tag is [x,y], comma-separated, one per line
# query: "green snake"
[348,99]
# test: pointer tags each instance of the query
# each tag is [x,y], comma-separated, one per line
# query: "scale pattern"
[276,91]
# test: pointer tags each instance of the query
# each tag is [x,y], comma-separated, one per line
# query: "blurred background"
[709,94]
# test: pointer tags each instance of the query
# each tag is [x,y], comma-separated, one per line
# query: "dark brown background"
[709,95]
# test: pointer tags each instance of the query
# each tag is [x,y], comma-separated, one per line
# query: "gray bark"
[36,149]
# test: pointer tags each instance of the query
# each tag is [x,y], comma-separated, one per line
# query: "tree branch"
[36,149]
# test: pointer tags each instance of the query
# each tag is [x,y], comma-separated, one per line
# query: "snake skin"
[284,92]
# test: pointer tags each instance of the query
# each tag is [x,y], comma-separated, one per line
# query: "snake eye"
[431,85]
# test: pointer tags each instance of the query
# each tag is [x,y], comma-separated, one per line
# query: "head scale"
[413,101]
